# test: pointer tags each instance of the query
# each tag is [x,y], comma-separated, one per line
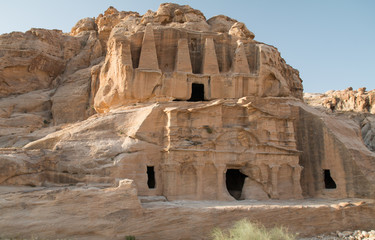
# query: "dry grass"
[245,230]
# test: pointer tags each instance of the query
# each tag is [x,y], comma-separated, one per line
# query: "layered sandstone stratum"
[126,124]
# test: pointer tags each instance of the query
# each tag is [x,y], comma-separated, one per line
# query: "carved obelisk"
[183,62]
[210,64]
[148,58]
[240,63]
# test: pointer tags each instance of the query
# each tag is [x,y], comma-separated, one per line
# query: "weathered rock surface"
[346,100]
[368,131]
[358,105]
[113,213]
[45,79]
[122,143]
[334,143]
[53,212]
[188,109]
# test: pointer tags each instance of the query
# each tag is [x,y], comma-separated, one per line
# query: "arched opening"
[197,92]
[328,181]
[234,181]
[151,177]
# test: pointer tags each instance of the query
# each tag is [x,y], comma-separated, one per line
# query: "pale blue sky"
[331,42]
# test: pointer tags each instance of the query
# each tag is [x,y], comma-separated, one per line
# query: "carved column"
[220,171]
[199,187]
[274,180]
[297,191]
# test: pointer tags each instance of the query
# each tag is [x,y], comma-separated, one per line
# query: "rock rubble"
[345,235]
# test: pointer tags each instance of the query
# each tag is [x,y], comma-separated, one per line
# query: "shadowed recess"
[197,92]
[234,181]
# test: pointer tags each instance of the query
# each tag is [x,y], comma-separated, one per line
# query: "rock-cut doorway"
[197,92]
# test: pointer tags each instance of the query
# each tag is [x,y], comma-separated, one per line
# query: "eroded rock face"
[171,54]
[346,100]
[45,80]
[32,60]
[129,141]
[356,104]
[333,149]
[188,108]
[24,118]
[198,143]
[95,203]
[368,131]
[114,213]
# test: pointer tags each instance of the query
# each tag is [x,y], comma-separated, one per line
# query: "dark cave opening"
[235,181]
[328,181]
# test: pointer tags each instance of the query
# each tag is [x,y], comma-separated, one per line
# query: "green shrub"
[245,230]
[130,238]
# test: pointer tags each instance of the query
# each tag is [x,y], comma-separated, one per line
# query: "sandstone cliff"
[185,107]
[346,100]
[358,105]
[45,80]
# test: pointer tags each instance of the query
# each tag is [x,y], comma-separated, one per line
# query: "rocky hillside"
[166,124]
[49,78]
[360,100]
[358,105]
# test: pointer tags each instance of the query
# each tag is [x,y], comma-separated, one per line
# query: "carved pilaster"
[170,179]
[297,191]
[199,187]
[220,170]
[274,180]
